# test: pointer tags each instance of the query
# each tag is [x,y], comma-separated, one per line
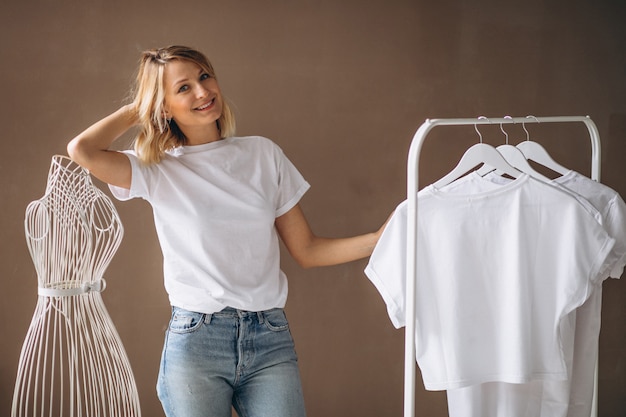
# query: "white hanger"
[478,154]
[537,153]
[515,157]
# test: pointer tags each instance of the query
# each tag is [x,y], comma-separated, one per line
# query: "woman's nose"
[201,91]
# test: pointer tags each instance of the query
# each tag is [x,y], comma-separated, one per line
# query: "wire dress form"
[73,363]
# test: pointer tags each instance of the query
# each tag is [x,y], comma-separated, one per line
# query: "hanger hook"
[506,135]
[525,130]
[524,126]
[476,127]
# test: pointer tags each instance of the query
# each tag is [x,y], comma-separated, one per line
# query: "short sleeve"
[138,181]
[291,185]
[386,268]
[615,224]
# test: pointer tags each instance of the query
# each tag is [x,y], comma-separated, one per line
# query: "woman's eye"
[183,88]
[204,76]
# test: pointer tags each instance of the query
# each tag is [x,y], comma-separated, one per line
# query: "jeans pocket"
[184,321]
[275,320]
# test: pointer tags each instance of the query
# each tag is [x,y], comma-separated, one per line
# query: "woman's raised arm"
[90,149]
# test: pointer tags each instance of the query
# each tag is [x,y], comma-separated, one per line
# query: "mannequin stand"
[72,362]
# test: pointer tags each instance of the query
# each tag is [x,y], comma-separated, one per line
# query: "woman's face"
[193,99]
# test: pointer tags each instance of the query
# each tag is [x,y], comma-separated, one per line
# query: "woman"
[219,203]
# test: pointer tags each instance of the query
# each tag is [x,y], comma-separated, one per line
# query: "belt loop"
[207,319]
[261,317]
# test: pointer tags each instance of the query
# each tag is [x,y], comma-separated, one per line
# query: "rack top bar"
[486,120]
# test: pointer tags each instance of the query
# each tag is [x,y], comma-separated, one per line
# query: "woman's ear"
[165,111]
[163,124]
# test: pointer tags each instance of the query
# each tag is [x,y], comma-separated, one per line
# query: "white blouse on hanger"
[497,271]
[571,398]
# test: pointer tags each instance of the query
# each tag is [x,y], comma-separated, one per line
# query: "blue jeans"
[243,359]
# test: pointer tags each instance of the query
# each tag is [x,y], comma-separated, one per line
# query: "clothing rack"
[411,247]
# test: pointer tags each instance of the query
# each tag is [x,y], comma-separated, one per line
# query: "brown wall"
[342,86]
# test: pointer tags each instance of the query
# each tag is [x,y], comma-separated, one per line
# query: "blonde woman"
[220,203]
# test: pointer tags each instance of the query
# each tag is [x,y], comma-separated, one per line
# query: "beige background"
[341,86]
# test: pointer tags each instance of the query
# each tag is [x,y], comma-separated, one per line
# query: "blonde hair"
[158,134]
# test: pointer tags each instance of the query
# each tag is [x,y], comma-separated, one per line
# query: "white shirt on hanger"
[571,398]
[497,271]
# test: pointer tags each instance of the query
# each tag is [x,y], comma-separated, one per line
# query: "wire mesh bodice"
[73,231]
[73,363]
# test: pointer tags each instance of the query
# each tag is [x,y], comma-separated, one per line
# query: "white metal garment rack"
[411,247]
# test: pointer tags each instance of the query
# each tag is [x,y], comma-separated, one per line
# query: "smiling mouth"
[207,105]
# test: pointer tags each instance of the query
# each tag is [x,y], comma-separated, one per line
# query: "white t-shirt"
[214,208]
[497,271]
[571,398]
[611,206]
